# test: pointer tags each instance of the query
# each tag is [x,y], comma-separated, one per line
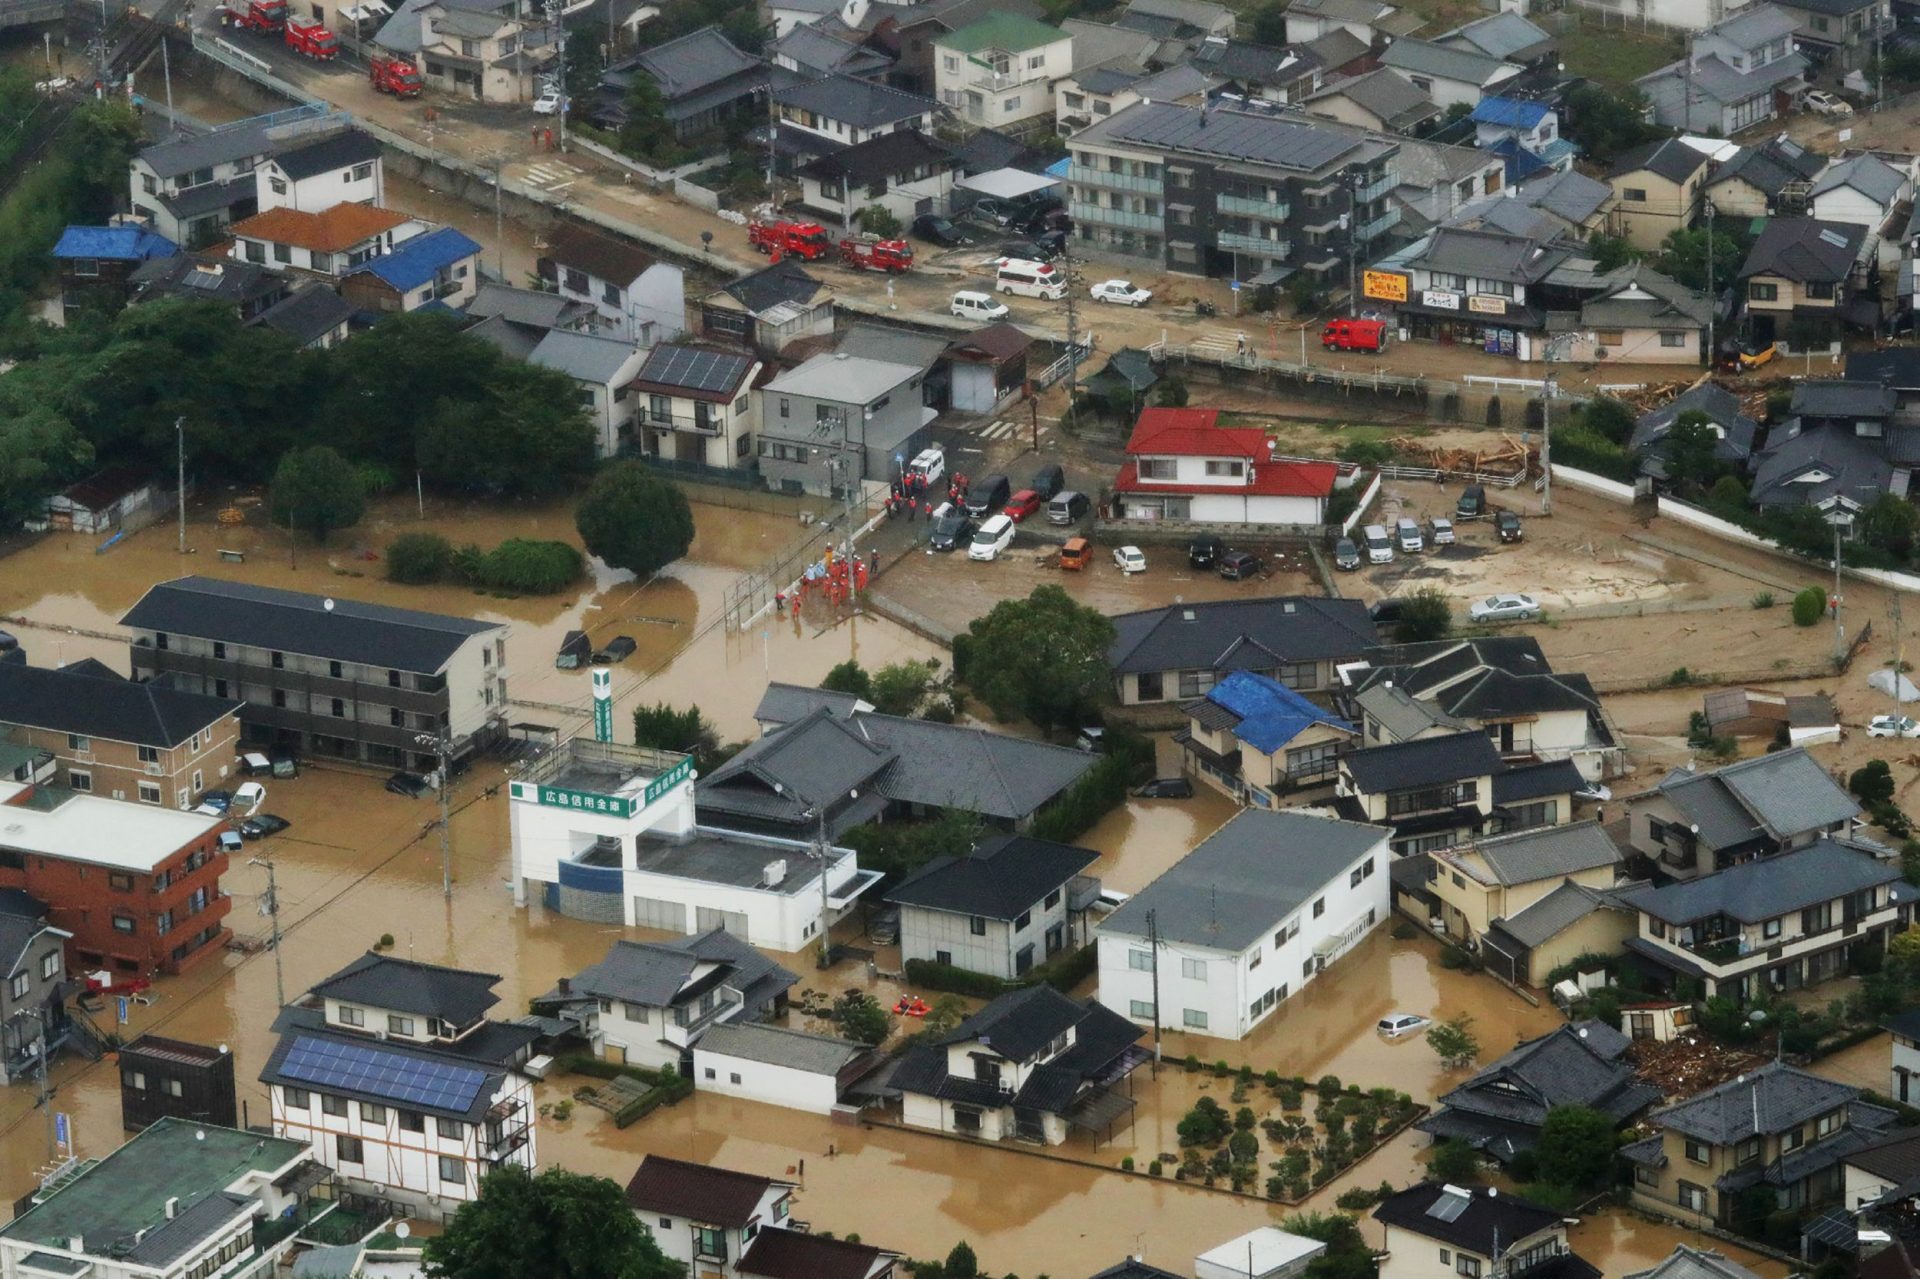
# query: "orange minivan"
[1074,555]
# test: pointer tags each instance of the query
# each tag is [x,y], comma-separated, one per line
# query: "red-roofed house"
[1183,465]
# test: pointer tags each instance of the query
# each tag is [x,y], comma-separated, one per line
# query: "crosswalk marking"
[549,173]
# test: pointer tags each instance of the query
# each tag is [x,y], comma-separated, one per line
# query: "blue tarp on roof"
[1509,113]
[1058,169]
[1521,163]
[114,243]
[415,261]
[1271,714]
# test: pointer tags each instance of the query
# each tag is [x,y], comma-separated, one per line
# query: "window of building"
[277,660]
[332,1105]
[79,742]
[451,1129]
[977,925]
[19,985]
[149,754]
[1446,1256]
[360,172]
[1828,1124]
[1195,683]
[1465,1265]
[1234,469]
[372,1114]
[1747,1151]
[1771,928]
[949,62]
[1792,1139]
[1140,961]
[733,1076]
[1319,907]
[637,1013]
[1634,195]
[1140,1009]
[1026,917]
[1193,1019]
[1698,1151]
[1053,899]
[296,1098]
[398,1025]
[79,779]
[1672,339]
[1761,292]
[348,1149]
[280,697]
[339,708]
[50,965]
[352,1016]
[712,1073]
[1822,289]
[1155,468]
[1693,1198]
[119,881]
[1193,969]
[123,924]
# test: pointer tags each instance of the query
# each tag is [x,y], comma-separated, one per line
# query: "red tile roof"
[1195,433]
[1270,479]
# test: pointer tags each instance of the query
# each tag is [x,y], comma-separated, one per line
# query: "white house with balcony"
[998,73]
[704,1217]
[1775,924]
[406,1090]
[607,833]
[635,297]
[696,403]
[1244,921]
[649,1003]
[1182,465]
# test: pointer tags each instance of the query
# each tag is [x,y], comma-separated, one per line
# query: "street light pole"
[439,744]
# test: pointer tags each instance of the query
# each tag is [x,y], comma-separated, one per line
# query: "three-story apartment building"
[406,1090]
[1780,923]
[1242,192]
[333,677]
[114,737]
[1776,1126]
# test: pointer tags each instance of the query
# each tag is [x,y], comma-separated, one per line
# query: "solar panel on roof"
[1449,1205]
[1834,238]
[363,1068]
[697,370]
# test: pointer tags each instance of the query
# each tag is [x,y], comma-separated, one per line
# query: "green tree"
[1453,1161]
[1348,1255]
[1809,606]
[949,1011]
[648,133]
[1425,615]
[1609,418]
[417,558]
[1044,657]
[633,519]
[1683,257]
[851,678]
[1575,1148]
[862,1019]
[1605,122]
[1270,25]
[1610,252]
[901,688]
[1872,783]
[1170,392]
[1891,523]
[1691,464]
[878,219]
[315,491]
[663,728]
[1453,1041]
[961,1263]
[554,1225]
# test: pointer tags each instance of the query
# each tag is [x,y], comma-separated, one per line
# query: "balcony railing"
[1236,242]
[996,81]
[1083,212]
[1087,175]
[711,425]
[1379,187]
[1379,226]
[1254,207]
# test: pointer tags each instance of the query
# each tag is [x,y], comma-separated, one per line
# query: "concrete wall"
[762,1081]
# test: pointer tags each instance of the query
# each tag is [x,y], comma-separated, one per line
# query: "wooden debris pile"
[1645,399]
[1507,456]
[1692,1064]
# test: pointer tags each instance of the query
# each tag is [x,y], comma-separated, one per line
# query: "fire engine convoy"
[809,242]
[394,75]
[306,37]
[254,15]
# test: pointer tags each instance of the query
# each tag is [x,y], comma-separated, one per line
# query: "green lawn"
[1615,57]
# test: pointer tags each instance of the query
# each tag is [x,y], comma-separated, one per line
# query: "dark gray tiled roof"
[1767,1100]
[797,767]
[343,150]
[114,710]
[1003,877]
[956,766]
[189,1229]
[1854,468]
[456,995]
[861,104]
[784,281]
[695,61]
[1582,1064]
[779,1253]
[1206,636]
[1671,158]
[1752,892]
[307,314]
[775,1045]
[1842,398]
[1897,366]
[652,973]
[1245,878]
[1868,174]
[1803,249]
[296,622]
[1429,761]
[785,703]
[699,1192]
[1490,1219]
[1553,914]
[1782,794]
[1687,1262]
[887,156]
[1523,782]
[1551,852]
[1422,57]
[1721,408]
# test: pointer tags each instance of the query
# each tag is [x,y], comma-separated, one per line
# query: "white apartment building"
[998,73]
[1250,916]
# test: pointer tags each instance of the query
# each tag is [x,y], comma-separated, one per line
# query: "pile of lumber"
[1507,456]
[1645,399]
[1688,1065]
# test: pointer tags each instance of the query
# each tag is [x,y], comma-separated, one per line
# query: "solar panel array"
[1237,135]
[693,368]
[377,1072]
[1451,1203]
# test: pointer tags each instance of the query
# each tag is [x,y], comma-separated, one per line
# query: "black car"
[1507,524]
[1048,481]
[1204,550]
[1236,565]
[951,531]
[262,825]
[1040,215]
[1166,788]
[618,649]
[935,229]
[412,785]
[1029,251]
[1387,612]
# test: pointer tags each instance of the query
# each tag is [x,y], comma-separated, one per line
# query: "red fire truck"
[1354,335]
[871,253]
[805,240]
[254,15]
[394,75]
[305,36]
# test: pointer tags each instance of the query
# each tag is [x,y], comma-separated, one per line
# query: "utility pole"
[1546,445]
[166,74]
[1713,301]
[180,437]
[499,234]
[1353,242]
[1153,950]
[1839,628]
[273,943]
[1899,667]
[826,902]
[555,15]
[45,1101]
[1073,339]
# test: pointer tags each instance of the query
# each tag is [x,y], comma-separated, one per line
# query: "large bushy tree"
[553,1225]
[1043,658]
[316,491]
[633,519]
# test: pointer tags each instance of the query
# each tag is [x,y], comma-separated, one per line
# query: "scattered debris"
[1682,1067]
[1508,457]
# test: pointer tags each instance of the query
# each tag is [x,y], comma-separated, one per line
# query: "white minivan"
[1030,279]
[1407,533]
[1379,547]
[969,305]
[991,538]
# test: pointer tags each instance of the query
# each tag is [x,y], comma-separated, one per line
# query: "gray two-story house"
[839,419]
[1435,792]
[1692,824]
[328,676]
[33,1013]
[1009,904]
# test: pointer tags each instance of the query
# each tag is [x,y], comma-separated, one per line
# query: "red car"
[1022,504]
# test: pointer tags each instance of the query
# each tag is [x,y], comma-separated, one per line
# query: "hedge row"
[1099,791]
[595,1068]
[1063,974]
[664,1093]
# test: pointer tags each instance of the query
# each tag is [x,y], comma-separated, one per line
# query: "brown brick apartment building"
[137,887]
[113,737]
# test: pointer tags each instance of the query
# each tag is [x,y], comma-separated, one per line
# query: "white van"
[1379,548]
[928,463]
[1030,279]
[969,305]
[991,538]
[1407,533]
